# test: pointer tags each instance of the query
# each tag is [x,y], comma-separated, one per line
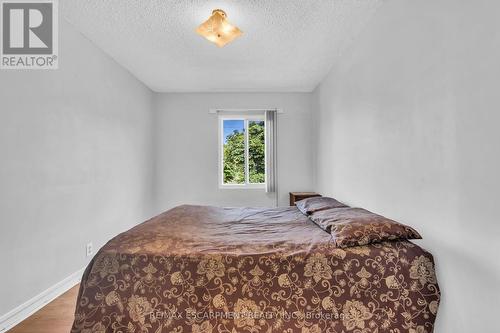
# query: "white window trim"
[247,185]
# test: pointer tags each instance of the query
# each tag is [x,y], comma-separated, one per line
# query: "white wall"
[187,151]
[407,126]
[76,164]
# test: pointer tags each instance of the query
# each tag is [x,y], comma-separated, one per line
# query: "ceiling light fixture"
[217,29]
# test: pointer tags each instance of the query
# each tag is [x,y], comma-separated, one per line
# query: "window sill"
[242,187]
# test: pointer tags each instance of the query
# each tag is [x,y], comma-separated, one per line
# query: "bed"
[212,269]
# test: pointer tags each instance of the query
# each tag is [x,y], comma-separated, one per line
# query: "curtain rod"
[244,110]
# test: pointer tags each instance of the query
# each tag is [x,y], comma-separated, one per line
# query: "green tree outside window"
[234,154]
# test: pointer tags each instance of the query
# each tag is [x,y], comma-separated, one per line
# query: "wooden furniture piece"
[297,196]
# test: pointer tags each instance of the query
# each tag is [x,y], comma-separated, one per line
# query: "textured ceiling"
[287,45]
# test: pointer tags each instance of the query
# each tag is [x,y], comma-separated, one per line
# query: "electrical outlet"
[89,249]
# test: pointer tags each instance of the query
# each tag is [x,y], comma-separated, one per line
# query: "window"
[242,151]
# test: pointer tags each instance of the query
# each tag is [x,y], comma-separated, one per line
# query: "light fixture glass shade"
[217,29]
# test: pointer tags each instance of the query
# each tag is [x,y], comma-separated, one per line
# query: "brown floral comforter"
[206,269]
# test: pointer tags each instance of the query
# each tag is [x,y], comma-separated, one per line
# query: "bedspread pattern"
[276,272]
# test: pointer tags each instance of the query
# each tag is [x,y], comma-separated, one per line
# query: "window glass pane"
[234,151]
[256,152]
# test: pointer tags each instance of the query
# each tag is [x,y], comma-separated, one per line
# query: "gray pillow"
[311,205]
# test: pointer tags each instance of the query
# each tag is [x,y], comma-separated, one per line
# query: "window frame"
[246,119]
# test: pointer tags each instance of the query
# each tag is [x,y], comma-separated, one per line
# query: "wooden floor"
[55,317]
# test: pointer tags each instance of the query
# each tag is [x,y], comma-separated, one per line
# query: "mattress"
[212,269]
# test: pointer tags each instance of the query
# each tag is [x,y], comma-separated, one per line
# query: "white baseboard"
[17,315]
